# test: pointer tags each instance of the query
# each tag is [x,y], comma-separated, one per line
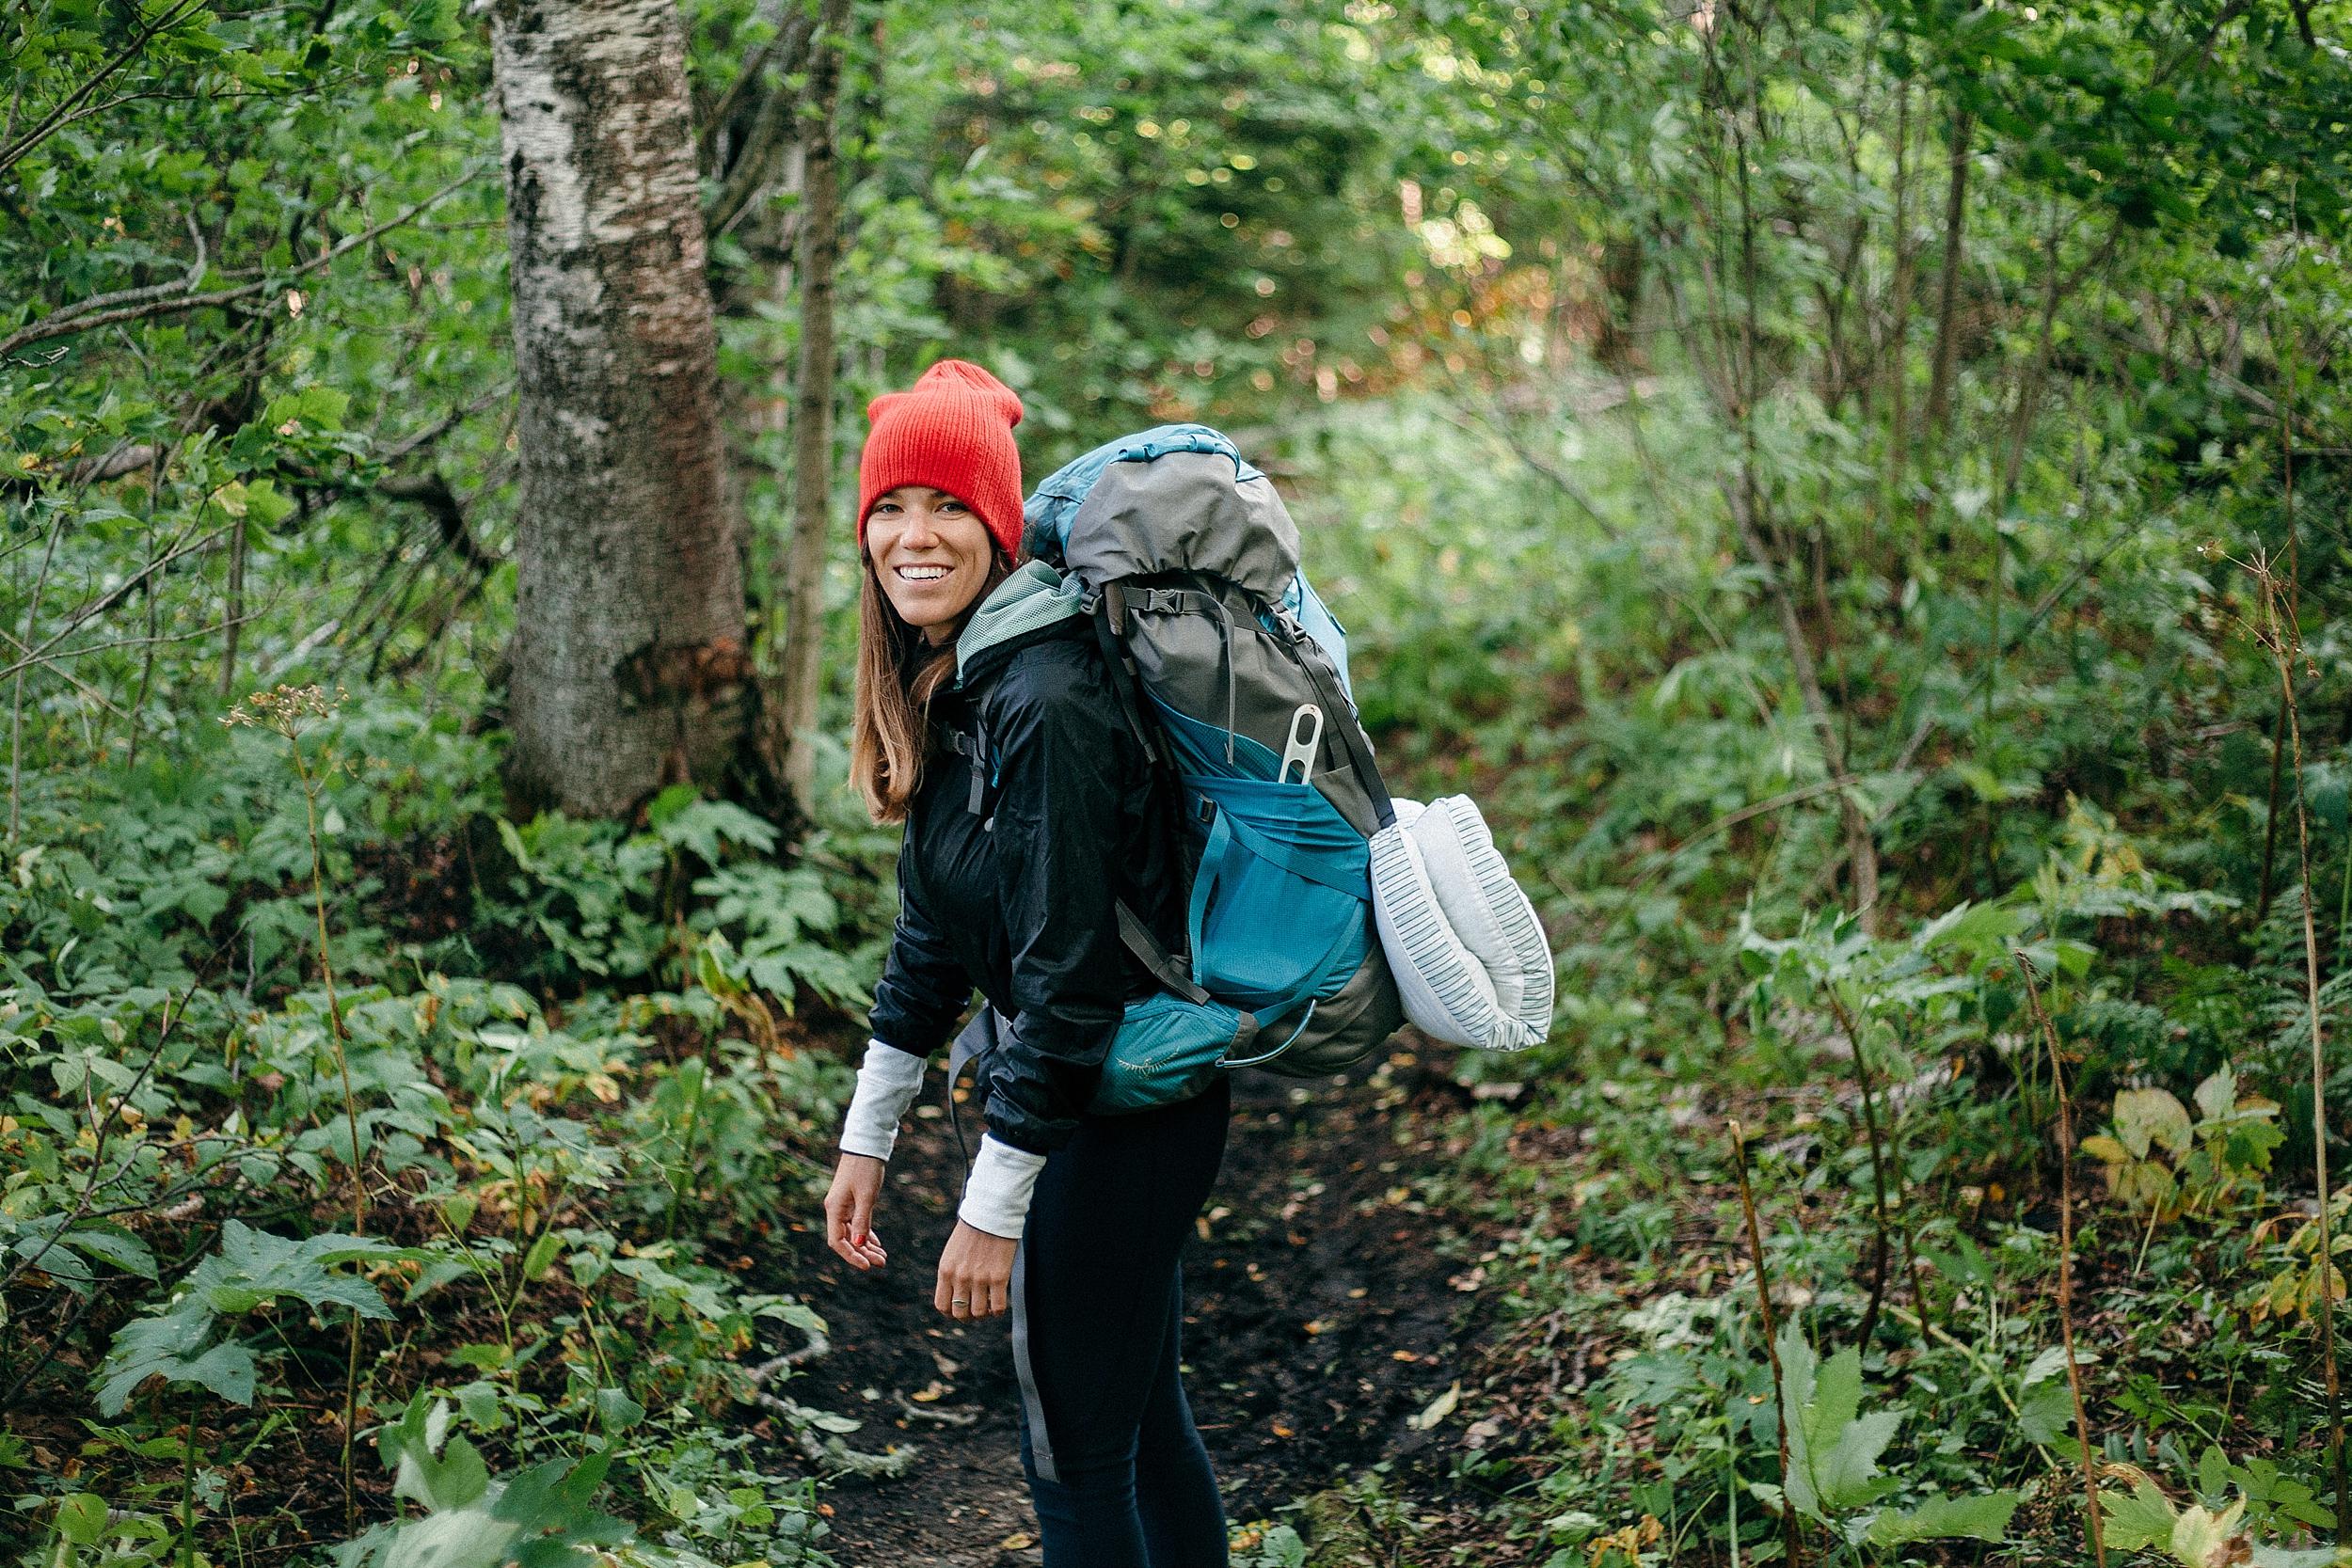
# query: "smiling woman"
[939,485]
[1016,876]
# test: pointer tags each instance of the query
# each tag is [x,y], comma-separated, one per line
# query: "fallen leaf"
[1469,1281]
[1403,1355]
[1017,1541]
[1437,1410]
[937,1390]
[1320,1325]
[1282,1430]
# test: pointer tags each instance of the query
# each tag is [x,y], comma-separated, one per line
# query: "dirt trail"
[1322,1315]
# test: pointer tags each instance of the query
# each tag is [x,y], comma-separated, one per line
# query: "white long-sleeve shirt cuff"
[996,1196]
[887,1082]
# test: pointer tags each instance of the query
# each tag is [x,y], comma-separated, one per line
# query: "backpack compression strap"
[1352,732]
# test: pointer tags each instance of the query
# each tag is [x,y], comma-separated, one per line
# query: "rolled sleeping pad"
[1472,963]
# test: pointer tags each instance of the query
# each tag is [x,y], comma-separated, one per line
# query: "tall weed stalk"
[2066,1256]
[1878,1169]
[289,712]
[2281,637]
[1795,1550]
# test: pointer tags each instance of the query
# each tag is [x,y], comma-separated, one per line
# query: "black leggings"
[1116,1469]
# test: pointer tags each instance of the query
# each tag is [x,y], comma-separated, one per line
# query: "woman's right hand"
[849,1212]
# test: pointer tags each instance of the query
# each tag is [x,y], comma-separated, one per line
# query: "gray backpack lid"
[1185,511]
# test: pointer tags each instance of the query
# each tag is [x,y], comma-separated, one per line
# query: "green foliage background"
[1732,431]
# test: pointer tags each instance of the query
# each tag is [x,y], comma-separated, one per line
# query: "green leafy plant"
[2306,1278]
[1271,1547]
[1833,1476]
[190,1340]
[2218,1528]
[543,1517]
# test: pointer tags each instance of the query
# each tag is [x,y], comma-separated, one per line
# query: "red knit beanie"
[952,432]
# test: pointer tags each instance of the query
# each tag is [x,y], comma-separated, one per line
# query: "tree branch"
[57,116]
[432,492]
[174,298]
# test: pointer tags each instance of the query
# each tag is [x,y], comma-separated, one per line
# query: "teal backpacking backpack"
[1232,675]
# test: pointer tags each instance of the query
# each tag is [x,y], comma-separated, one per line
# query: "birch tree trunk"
[628,670]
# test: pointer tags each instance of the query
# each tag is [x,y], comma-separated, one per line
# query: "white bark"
[628,668]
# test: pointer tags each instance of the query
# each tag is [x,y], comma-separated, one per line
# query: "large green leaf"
[252,1269]
[1833,1448]
[171,1347]
[545,1517]
[2138,1520]
[112,1244]
[1983,1517]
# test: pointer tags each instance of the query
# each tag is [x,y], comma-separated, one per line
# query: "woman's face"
[931,554]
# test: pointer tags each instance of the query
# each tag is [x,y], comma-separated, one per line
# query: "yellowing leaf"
[2207,1540]
[1437,1410]
[2152,1117]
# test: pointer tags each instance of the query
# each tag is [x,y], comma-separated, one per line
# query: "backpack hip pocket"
[1280,903]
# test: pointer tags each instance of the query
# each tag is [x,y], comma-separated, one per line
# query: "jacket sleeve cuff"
[887,1084]
[997,1197]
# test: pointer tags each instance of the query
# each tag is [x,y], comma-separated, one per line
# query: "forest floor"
[1327,1309]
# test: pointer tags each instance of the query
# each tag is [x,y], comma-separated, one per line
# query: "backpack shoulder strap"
[973,748]
[1108,608]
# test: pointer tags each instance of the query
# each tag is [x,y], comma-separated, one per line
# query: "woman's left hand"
[975,1275]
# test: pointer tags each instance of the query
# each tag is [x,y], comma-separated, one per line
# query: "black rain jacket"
[1019,898]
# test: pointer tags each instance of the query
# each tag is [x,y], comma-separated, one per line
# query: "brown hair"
[898,673]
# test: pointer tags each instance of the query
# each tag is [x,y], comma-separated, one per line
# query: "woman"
[1030,812]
